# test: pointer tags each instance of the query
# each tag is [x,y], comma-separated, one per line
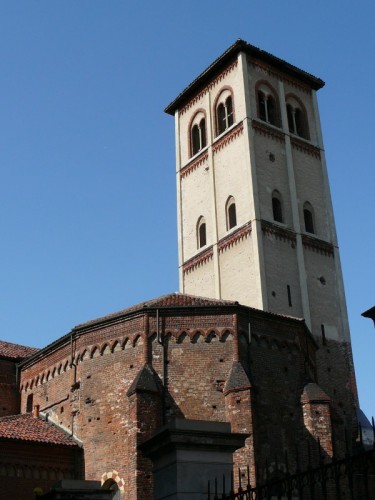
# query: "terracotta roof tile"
[15,351]
[25,427]
[170,300]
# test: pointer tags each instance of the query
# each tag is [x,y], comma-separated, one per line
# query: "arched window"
[224,112]
[231,213]
[297,120]
[308,216]
[201,232]
[277,208]
[198,134]
[268,109]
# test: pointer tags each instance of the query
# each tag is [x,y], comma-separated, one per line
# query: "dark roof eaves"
[74,444]
[240,46]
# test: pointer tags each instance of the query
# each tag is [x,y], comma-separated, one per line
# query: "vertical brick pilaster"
[317,417]
[238,404]
[145,405]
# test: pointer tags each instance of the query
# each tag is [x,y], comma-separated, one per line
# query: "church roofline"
[223,60]
[174,302]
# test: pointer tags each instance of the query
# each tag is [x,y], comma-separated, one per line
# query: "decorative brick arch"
[114,475]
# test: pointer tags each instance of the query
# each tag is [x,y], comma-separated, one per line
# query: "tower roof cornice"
[222,61]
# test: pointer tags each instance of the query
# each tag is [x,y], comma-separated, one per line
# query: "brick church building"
[250,360]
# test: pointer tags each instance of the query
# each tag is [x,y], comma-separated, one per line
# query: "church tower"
[255,218]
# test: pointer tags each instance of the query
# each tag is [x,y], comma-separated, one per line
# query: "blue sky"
[88,216]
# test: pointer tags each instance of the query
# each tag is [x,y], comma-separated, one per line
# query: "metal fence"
[350,478]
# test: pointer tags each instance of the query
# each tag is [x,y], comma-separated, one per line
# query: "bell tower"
[255,218]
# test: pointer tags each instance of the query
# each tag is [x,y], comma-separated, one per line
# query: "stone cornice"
[268,131]
[227,138]
[208,87]
[233,238]
[305,147]
[279,232]
[193,165]
[198,260]
[317,245]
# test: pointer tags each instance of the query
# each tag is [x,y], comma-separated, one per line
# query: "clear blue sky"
[88,217]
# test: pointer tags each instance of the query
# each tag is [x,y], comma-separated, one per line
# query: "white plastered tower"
[255,218]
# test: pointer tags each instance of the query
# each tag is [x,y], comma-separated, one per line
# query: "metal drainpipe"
[248,349]
[160,341]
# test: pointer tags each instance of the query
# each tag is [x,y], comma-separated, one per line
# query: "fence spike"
[248,478]
[286,461]
[239,477]
[373,432]
[297,459]
[321,457]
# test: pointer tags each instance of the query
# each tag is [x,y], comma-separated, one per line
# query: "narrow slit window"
[308,216]
[201,233]
[289,295]
[29,403]
[231,213]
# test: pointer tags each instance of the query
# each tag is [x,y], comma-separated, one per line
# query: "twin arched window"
[297,121]
[198,133]
[268,108]
[224,112]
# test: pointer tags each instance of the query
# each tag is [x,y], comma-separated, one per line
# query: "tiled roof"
[15,351]
[25,427]
[170,300]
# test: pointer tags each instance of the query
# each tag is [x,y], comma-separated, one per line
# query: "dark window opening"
[195,139]
[289,111]
[277,209]
[289,295]
[232,217]
[229,109]
[225,115]
[198,137]
[300,123]
[296,121]
[29,403]
[309,220]
[202,239]
[267,108]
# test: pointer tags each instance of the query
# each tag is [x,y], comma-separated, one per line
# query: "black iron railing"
[350,478]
